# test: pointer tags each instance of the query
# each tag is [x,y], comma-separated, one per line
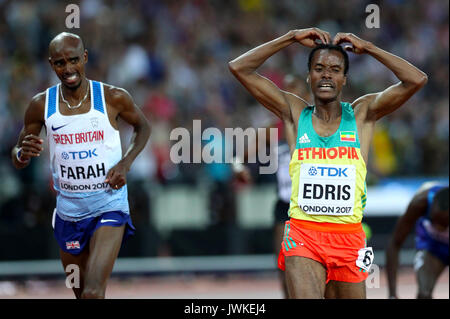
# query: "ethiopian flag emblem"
[348,136]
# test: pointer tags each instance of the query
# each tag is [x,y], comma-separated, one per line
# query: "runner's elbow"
[233,66]
[421,80]
[236,67]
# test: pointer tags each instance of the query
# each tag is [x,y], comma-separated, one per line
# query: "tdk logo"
[79,155]
[328,171]
[312,171]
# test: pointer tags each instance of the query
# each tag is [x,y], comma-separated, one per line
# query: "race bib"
[365,258]
[81,170]
[327,189]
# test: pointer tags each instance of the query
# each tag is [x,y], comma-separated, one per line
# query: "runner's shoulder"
[420,197]
[114,92]
[38,100]
[295,100]
[296,104]
[116,95]
[361,105]
[37,105]
[364,101]
[427,186]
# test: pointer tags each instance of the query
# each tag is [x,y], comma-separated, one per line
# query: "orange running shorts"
[340,248]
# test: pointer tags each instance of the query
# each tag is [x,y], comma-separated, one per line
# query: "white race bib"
[365,258]
[82,170]
[327,189]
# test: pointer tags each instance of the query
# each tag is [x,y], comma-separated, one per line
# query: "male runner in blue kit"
[92,217]
[428,213]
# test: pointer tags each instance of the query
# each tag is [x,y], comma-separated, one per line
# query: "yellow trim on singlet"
[320,155]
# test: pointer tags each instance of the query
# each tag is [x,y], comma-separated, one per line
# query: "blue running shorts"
[72,236]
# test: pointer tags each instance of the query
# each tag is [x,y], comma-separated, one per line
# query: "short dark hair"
[329,47]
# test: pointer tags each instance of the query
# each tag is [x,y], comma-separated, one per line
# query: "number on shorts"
[365,258]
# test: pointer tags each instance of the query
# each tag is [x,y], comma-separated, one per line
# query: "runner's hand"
[117,176]
[358,45]
[308,37]
[31,147]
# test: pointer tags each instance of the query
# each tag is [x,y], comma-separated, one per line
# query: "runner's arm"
[132,115]
[29,143]
[265,91]
[411,78]
[416,208]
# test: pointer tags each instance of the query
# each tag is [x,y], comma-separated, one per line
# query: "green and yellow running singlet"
[328,173]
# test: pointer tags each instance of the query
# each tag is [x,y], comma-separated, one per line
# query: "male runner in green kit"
[323,252]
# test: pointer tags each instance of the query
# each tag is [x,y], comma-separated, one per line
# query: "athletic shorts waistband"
[328,227]
[89,215]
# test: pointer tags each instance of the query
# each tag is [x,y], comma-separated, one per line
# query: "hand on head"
[312,37]
[308,37]
[358,45]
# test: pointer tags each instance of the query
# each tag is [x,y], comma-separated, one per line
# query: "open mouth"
[325,86]
[71,78]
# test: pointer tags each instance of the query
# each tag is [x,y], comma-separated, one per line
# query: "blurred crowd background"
[172,57]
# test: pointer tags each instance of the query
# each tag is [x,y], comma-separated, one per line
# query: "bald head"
[65,40]
[68,58]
